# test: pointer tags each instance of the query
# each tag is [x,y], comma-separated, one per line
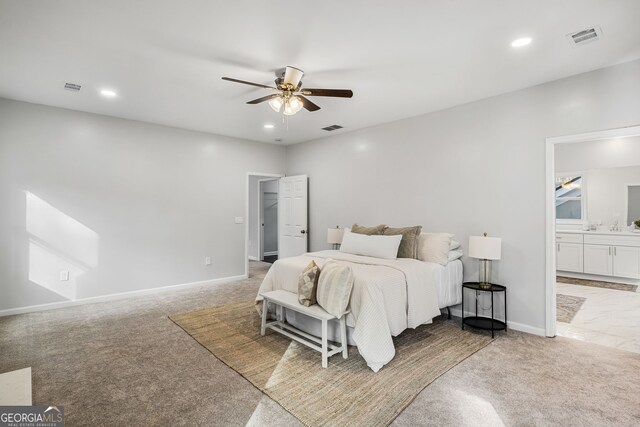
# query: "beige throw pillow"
[409,243]
[308,284]
[334,288]
[434,247]
[369,231]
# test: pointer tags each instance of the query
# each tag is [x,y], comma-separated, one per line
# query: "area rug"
[597,284]
[567,307]
[347,393]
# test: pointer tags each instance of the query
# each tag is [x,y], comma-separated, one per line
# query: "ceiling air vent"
[589,35]
[332,128]
[72,86]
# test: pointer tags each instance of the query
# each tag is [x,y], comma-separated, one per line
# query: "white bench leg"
[280,313]
[325,346]
[265,309]
[343,336]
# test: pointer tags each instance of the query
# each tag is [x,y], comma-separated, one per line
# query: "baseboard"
[511,325]
[527,328]
[253,258]
[118,296]
[271,253]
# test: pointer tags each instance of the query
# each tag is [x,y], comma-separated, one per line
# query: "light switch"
[239,220]
[64,275]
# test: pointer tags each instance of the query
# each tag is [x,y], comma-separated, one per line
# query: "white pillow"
[454,255]
[454,245]
[434,247]
[385,247]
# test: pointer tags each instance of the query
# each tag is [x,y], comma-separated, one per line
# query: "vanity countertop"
[601,232]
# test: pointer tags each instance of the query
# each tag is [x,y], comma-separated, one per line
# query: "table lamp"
[334,236]
[485,249]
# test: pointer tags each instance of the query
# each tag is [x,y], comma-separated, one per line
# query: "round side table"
[484,322]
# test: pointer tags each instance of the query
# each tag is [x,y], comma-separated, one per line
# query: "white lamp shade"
[334,235]
[485,247]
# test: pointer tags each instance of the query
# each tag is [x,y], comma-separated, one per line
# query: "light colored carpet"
[567,307]
[125,363]
[347,393]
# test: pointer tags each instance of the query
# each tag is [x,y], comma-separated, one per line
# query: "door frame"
[246,213]
[550,232]
[261,195]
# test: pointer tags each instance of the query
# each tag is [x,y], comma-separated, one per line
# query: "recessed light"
[108,93]
[521,42]
[268,126]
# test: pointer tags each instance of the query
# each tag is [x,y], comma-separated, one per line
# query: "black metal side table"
[483,322]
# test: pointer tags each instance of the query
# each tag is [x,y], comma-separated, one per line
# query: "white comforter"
[388,297]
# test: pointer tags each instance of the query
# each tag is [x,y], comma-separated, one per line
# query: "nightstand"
[483,322]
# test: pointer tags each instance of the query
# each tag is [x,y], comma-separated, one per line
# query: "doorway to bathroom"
[593,243]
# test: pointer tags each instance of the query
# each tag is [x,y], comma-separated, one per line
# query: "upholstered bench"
[289,300]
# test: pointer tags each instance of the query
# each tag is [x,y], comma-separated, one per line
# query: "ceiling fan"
[290,96]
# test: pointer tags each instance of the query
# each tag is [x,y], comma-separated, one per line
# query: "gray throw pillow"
[308,284]
[369,231]
[409,243]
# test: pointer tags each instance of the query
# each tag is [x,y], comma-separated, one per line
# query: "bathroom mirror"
[633,203]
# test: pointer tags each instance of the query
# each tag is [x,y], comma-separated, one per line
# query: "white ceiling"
[401,58]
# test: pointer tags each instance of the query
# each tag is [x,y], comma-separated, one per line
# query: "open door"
[292,216]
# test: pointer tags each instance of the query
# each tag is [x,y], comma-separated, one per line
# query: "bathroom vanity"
[604,253]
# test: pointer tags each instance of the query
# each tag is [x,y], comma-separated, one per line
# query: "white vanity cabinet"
[626,262]
[569,252]
[615,255]
[598,260]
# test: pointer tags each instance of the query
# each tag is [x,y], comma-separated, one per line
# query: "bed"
[388,297]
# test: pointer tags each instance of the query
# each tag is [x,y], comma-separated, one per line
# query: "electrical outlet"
[207,260]
[64,275]
[239,220]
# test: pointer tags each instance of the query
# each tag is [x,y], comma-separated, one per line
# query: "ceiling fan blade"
[248,83]
[292,76]
[264,98]
[308,105]
[339,93]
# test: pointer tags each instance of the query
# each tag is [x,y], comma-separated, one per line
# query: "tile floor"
[608,317]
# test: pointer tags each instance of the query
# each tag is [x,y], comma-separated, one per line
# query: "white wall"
[609,165]
[473,168]
[607,193]
[602,154]
[123,205]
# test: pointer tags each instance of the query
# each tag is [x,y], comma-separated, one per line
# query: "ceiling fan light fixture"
[288,111]
[295,103]
[276,104]
[288,98]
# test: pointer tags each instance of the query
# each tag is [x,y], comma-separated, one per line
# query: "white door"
[292,216]
[626,262]
[598,260]
[569,257]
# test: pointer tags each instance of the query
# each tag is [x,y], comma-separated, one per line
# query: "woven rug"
[597,284]
[567,307]
[347,393]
